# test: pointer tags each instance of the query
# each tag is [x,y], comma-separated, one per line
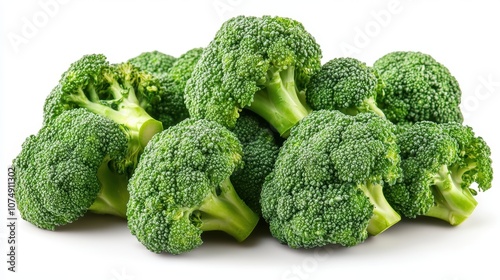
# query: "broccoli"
[345,84]
[418,88]
[174,83]
[182,188]
[183,68]
[66,170]
[262,64]
[170,108]
[154,62]
[260,149]
[440,162]
[328,180]
[119,92]
[173,74]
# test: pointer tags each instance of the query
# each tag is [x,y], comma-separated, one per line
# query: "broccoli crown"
[260,149]
[181,188]
[172,109]
[119,92]
[257,62]
[326,184]
[440,162]
[183,68]
[154,62]
[62,171]
[418,88]
[345,84]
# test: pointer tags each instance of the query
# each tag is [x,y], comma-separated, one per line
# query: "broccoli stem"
[279,102]
[371,106]
[367,105]
[384,216]
[113,195]
[227,212]
[452,203]
[93,96]
[138,123]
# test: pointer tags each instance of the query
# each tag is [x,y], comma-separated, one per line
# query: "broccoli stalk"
[279,102]
[226,212]
[384,216]
[452,203]
[367,105]
[370,105]
[127,111]
[113,195]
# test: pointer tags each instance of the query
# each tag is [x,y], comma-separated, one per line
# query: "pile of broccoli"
[253,129]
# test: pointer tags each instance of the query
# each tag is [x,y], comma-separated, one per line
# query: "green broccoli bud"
[418,88]
[440,162]
[65,170]
[181,188]
[262,64]
[345,84]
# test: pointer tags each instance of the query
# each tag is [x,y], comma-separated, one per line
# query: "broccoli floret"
[65,170]
[345,84]
[440,162]
[260,149]
[182,188]
[170,108]
[183,68]
[119,92]
[418,88]
[328,180]
[259,63]
[154,62]
[174,82]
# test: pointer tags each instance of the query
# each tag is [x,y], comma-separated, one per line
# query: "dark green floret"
[418,88]
[183,68]
[440,164]
[262,64]
[182,188]
[120,92]
[154,62]
[260,149]
[170,108]
[345,84]
[66,169]
[328,180]
[174,82]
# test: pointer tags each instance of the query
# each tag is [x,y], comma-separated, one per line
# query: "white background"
[38,42]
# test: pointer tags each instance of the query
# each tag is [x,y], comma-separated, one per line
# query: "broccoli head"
[66,170]
[260,149]
[326,186]
[182,188]
[170,108]
[119,92]
[173,108]
[345,84]
[440,162]
[154,62]
[259,63]
[183,68]
[418,88]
